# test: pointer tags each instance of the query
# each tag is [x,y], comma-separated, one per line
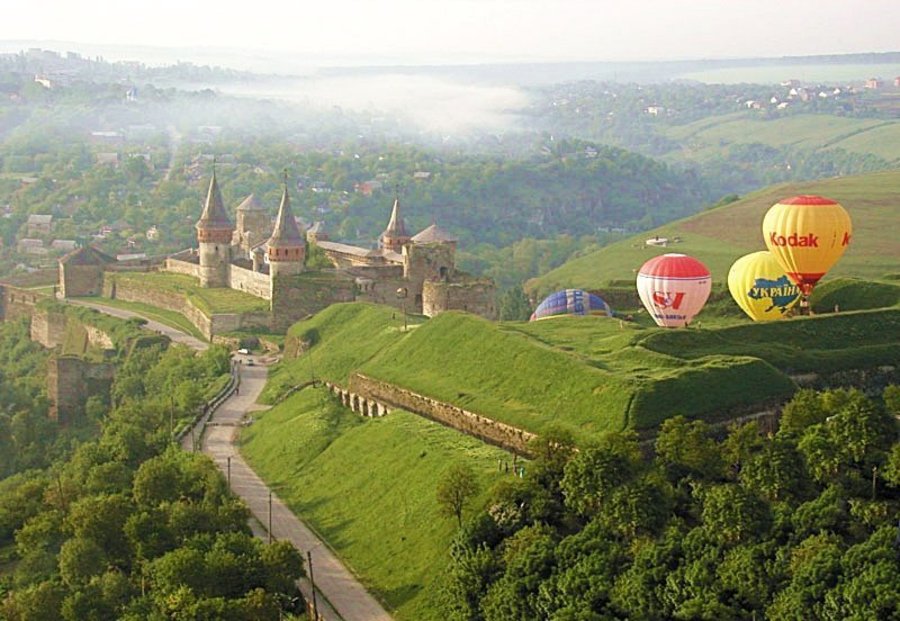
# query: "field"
[210,301]
[368,487]
[705,138]
[719,236]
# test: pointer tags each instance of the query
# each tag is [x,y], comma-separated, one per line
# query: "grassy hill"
[590,374]
[343,473]
[719,236]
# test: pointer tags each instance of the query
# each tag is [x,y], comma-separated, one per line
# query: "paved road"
[347,596]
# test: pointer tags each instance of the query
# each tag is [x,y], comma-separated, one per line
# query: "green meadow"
[589,374]
[367,486]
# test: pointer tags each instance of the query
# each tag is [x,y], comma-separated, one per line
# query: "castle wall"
[232,322]
[16,302]
[182,267]
[472,296]
[494,432]
[384,291]
[48,328]
[296,297]
[70,381]
[248,281]
[208,326]
[77,281]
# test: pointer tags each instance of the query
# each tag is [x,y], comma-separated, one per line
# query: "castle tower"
[395,236]
[251,223]
[286,248]
[214,232]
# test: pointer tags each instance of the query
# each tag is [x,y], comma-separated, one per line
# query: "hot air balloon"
[673,288]
[807,235]
[758,284]
[571,302]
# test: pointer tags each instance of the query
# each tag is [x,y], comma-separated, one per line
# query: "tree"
[455,489]
[79,560]
[685,448]
[514,305]
[592,475]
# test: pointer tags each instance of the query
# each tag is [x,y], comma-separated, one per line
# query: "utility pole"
[312,581]
[229,471]
[270,517]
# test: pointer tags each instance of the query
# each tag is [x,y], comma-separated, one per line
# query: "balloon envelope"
[758,284]
[807,235]
[571,302]
[673,288]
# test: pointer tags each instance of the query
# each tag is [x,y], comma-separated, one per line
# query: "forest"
[799,523]
[110,519]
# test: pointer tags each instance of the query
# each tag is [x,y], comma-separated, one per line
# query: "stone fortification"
[248,281]
[16,302]
[70,381]
[298,296]
[179,266]
[131,291]
[488,430]
[48,328]
[476,296]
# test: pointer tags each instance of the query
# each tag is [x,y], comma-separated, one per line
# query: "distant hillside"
[719,236]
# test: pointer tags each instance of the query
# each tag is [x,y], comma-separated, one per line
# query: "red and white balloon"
[673,288]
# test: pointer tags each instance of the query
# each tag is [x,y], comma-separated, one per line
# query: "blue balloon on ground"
[571,302]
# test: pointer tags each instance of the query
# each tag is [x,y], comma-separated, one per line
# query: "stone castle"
[414,272]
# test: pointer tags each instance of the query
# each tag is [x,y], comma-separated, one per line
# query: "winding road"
[339,596]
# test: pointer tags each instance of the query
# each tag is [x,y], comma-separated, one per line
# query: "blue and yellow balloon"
[760,286]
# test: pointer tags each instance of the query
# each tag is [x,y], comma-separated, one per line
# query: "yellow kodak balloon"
[758,284]
[807,235]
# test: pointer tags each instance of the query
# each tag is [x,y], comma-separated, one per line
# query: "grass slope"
[720,236]
[368,486]
[591,374]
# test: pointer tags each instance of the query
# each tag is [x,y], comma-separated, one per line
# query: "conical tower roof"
[214,216]
[286,233]
[395,228]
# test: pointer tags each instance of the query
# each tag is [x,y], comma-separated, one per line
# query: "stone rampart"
[48,328]
[131,291]
[476,296]
[16,302]
[248,281]
[486,429]
[182,267]
[70,381]
[301,295]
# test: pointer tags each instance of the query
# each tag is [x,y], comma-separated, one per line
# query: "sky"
[469,31]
